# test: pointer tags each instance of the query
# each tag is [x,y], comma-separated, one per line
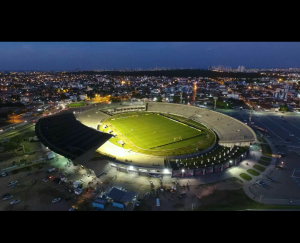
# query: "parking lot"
[38,196]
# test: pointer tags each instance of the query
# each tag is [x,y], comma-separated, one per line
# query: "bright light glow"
[182,170]
[130,167]
[166,171]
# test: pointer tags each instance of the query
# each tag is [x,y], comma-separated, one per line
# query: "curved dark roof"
[68,137]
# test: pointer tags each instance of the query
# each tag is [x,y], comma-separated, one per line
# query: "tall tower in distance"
[241,69]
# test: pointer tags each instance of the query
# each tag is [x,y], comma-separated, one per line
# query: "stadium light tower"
[215,98]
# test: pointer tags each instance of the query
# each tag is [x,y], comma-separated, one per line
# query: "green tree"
[12,145]
[283,108]
[176,99]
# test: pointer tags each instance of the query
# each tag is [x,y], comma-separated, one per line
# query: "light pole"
[215,98]
[259,200]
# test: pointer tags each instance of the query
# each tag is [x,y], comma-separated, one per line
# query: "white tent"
[50,155]
[76,183]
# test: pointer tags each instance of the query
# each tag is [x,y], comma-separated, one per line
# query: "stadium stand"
[230,131]
[65,135]
[91,118]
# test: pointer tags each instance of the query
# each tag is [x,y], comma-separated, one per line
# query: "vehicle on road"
[56,200]
[269,179]
[15,201]
[3,174]
[292,135]
[45,180]
[278,167]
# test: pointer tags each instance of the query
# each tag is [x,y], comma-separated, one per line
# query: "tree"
[159,99]
[283,108]
[11,145]
[176,99]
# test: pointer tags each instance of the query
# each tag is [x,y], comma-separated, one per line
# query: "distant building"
[241,69]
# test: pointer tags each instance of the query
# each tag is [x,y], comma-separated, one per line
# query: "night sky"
[117,55]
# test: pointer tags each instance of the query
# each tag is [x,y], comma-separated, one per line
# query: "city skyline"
[67,56]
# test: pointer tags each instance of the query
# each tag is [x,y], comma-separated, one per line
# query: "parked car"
[15,201]
[8,173]
[56,200]
[260,182]
[157,202]
[72,208]
[7,197]
[12,183]
[3,174]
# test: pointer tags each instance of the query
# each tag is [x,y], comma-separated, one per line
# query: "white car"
[7,197]
[72,208]
[3,174]
[12,183]
[56,200]
[292,135]
[15,201]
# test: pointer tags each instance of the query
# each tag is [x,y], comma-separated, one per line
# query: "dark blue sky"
[115,55]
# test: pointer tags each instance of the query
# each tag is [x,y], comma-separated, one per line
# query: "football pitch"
[152,131]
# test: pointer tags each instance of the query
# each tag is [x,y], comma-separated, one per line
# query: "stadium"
[149,139]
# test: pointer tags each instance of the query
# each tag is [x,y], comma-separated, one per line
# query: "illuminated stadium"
[156,138]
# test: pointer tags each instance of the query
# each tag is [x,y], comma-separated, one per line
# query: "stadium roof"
[68,137]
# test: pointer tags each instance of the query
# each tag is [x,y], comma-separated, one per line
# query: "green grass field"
[153,132]
[148,131]
[78,104]
[263,163]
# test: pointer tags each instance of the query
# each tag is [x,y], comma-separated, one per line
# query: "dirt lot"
[39,196]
